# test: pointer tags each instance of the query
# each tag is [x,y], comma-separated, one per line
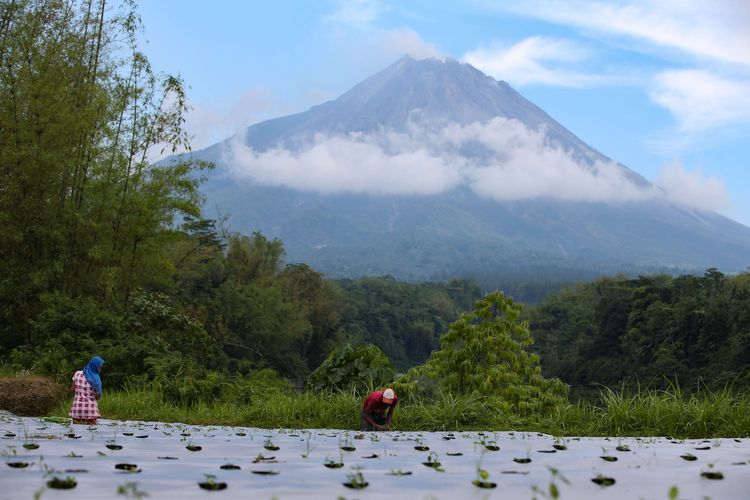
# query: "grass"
[645,412]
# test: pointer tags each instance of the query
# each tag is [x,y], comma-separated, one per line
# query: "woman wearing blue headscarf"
[87,385]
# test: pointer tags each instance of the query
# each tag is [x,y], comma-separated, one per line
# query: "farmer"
[377,410]
[87,386]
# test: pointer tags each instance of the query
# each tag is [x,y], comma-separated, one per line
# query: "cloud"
[355,13]
[700,99]
[406,41]
[355,23]
[693,189]
[501,159]
[715,30]
[535,60]
[210,122]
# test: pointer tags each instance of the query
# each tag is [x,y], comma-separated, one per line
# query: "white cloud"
[210,122]
[406,41]
[694,188]
[357,30]
[535,59]
[501,159]
[355,13]
[701,99]
[716,29]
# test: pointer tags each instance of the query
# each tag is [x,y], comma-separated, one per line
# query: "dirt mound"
[29,395]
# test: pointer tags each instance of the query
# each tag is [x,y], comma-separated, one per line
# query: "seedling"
[308,448]
[711,473]
[269,445]
[62,484]
[19,465]
[399,472]
[560,444]
[347,444]
[211,484]
[434,462]
[112,445]
[72,454]
[603,480]
[193,447]
[553,490]
[606,457]
[421,446]
[128,467]
[355,479]
[332,464]
[481,480]
[130,490]
[526,459]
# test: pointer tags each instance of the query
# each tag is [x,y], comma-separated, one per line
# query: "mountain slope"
[463,229]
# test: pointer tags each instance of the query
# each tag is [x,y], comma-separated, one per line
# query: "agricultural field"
[126,459]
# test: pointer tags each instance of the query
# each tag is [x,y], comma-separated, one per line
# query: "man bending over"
[377,410]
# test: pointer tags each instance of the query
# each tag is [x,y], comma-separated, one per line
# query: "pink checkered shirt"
[84,403]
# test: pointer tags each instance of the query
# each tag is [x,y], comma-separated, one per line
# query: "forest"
[104,251]
[651,330]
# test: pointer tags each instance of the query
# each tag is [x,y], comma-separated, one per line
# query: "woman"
[88,388]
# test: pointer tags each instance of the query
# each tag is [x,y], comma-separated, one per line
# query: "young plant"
[420,445]
[211,484]
[433,462]
[333,464]
[552,489]
[526,459]
[355,479]
[131,490]
[603,480]
[308,448]
[710,473]
[481,480]
[192,447]
[560,444]
[347,443]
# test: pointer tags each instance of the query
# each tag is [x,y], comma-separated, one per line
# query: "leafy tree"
[650,330]
[359,368]
[82,210]
[485,352]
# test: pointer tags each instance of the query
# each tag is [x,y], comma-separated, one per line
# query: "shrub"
[352,368]
[485,353]
[30,395]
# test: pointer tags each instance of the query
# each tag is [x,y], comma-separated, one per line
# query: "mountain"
[431,169]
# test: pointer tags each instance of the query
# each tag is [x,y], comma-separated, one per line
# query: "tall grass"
[642,412]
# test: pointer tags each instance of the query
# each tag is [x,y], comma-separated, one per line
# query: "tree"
[83,212]
[486,352]
[361,368]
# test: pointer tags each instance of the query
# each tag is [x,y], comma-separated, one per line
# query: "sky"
[661,86]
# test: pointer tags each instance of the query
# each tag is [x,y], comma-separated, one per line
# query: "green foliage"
[485,352]
[405,320]
[82,211]
[359,368]
[650,413]
[692,329]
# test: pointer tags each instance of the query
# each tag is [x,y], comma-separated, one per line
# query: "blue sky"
[661,86]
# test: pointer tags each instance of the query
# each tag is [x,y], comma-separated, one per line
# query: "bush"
[30,395]
[350,368]
[485,353]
